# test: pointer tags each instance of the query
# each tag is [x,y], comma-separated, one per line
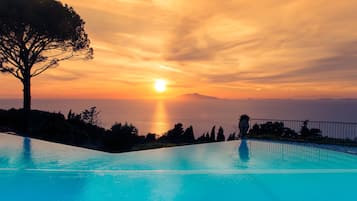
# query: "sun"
[160,85]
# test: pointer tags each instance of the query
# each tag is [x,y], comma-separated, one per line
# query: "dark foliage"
[212,137]
[31,29]
[304,129]
[207,137]
[188,135]
[178,135]
[90,116]
[220,135]
[204,138]
[231,137]
[173,135]
[309,133]
[121,137]
[53,127]
[36,35]
[276,130]
[80,130]
[150,137]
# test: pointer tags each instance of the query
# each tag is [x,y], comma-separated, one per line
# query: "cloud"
[168,68]
[60,74]
[220,46]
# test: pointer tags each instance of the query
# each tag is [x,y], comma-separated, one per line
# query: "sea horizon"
[160,115]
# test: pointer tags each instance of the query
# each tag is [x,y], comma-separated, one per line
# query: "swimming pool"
[238,170]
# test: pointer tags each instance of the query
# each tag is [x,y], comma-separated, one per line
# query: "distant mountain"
[196,96]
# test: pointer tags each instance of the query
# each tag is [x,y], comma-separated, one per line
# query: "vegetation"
[231,137]
[178,135]
[83,130]
[35,35]
[220,135]
[277,131]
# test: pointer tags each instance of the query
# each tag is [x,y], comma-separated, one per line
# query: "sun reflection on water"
[160,119]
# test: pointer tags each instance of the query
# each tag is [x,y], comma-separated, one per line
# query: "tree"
[207,137]
[188,135]
[174,135]
[150,137]
[220,135]
[121,137]
[232,137]
[90,116]
[201,139]
[305,131]
[213,134]
[35,35]
[73,116]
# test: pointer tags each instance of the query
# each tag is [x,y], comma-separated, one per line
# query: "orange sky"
[229,49]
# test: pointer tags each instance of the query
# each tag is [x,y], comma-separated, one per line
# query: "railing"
[331,129]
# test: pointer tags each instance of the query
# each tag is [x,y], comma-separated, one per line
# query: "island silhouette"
[197,96]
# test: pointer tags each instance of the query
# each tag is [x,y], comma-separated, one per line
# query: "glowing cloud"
[232,49]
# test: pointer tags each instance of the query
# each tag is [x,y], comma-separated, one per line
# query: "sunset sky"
[228,49]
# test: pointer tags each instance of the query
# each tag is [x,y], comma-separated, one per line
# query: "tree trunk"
[27,103]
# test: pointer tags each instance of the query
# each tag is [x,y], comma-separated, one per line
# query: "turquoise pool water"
[239,170]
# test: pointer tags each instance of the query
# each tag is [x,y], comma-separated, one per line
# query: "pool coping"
[338,148]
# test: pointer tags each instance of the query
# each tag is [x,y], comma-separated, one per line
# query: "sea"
[158,116]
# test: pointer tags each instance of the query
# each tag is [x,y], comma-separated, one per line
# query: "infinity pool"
[238,170]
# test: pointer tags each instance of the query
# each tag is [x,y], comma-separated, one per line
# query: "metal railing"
[331,129]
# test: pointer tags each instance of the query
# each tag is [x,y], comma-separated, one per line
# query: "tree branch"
[9,48]
[5,69]
[44,68]
[51,64]
[36,51]
[11,58]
